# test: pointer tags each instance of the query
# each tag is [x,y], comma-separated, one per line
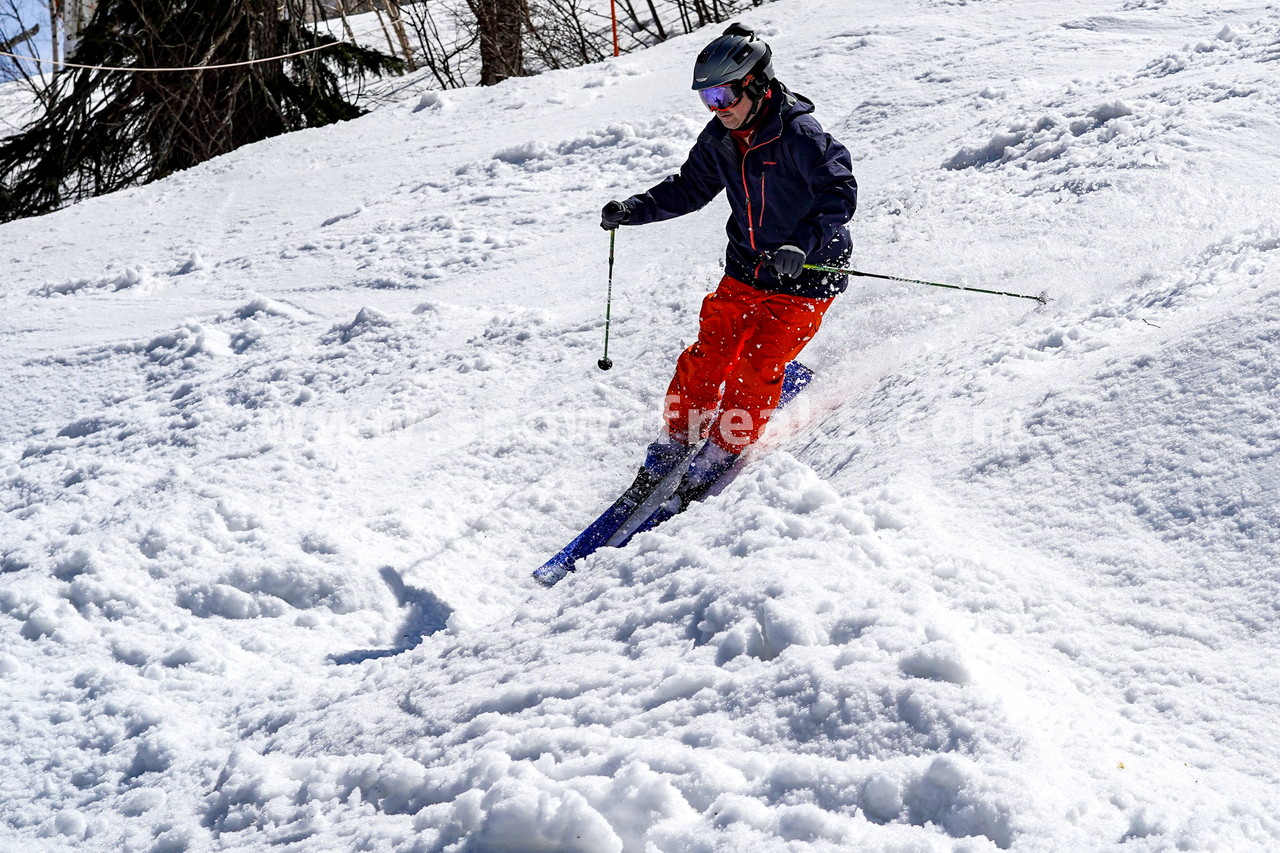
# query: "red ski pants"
[727,384]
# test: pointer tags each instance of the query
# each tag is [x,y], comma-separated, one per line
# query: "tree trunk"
[500,27]
[397,24]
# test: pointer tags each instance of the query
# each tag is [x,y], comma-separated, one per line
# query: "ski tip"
[551,573]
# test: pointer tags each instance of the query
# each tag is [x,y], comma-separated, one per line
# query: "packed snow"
[285,434]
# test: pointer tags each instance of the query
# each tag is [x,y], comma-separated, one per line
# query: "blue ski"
[612,527]
[599,531]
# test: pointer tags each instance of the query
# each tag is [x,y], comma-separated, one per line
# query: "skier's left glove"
[788,262]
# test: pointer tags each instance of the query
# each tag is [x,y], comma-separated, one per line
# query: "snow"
[17,105]
[285,434]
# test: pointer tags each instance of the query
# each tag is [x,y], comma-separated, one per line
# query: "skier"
[791,193]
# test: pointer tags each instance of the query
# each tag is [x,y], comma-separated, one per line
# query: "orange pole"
[613,16]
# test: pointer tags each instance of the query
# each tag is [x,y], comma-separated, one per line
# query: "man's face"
[734,116]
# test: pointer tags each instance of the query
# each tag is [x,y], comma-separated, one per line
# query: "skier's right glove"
[788,262]
[615,213]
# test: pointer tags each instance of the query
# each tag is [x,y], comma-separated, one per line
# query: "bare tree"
[645,24]
[447,39]
[638,25]
[565,33]
[464,42]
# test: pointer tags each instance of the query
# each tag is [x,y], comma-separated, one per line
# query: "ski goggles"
[722,97]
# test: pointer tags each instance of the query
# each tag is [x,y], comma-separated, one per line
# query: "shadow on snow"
[427,615]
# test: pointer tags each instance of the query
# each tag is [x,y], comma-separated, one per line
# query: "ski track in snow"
[285,434]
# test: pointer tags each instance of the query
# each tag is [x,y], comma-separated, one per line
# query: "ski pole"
[1041,299]
[604,363]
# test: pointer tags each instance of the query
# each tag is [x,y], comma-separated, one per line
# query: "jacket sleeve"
[690,189]
[829,170]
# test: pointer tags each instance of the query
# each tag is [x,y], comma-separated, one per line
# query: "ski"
[632,512]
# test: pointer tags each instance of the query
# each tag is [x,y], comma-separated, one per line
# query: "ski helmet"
[733,58]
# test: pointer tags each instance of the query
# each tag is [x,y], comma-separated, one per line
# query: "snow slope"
[16,103]
[284,435]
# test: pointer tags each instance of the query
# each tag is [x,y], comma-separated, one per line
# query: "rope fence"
[143,69]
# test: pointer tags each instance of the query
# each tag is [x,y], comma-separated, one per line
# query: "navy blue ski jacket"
[794,186]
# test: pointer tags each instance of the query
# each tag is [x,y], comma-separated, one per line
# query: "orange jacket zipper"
[751,229]
[763,199]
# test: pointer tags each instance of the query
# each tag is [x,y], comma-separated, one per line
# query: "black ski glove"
[615,213]
[788,262]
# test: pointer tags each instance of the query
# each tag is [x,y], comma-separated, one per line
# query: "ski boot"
[660,460]
[706,467]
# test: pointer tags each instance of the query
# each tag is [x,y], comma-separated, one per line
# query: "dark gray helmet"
[732,58]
